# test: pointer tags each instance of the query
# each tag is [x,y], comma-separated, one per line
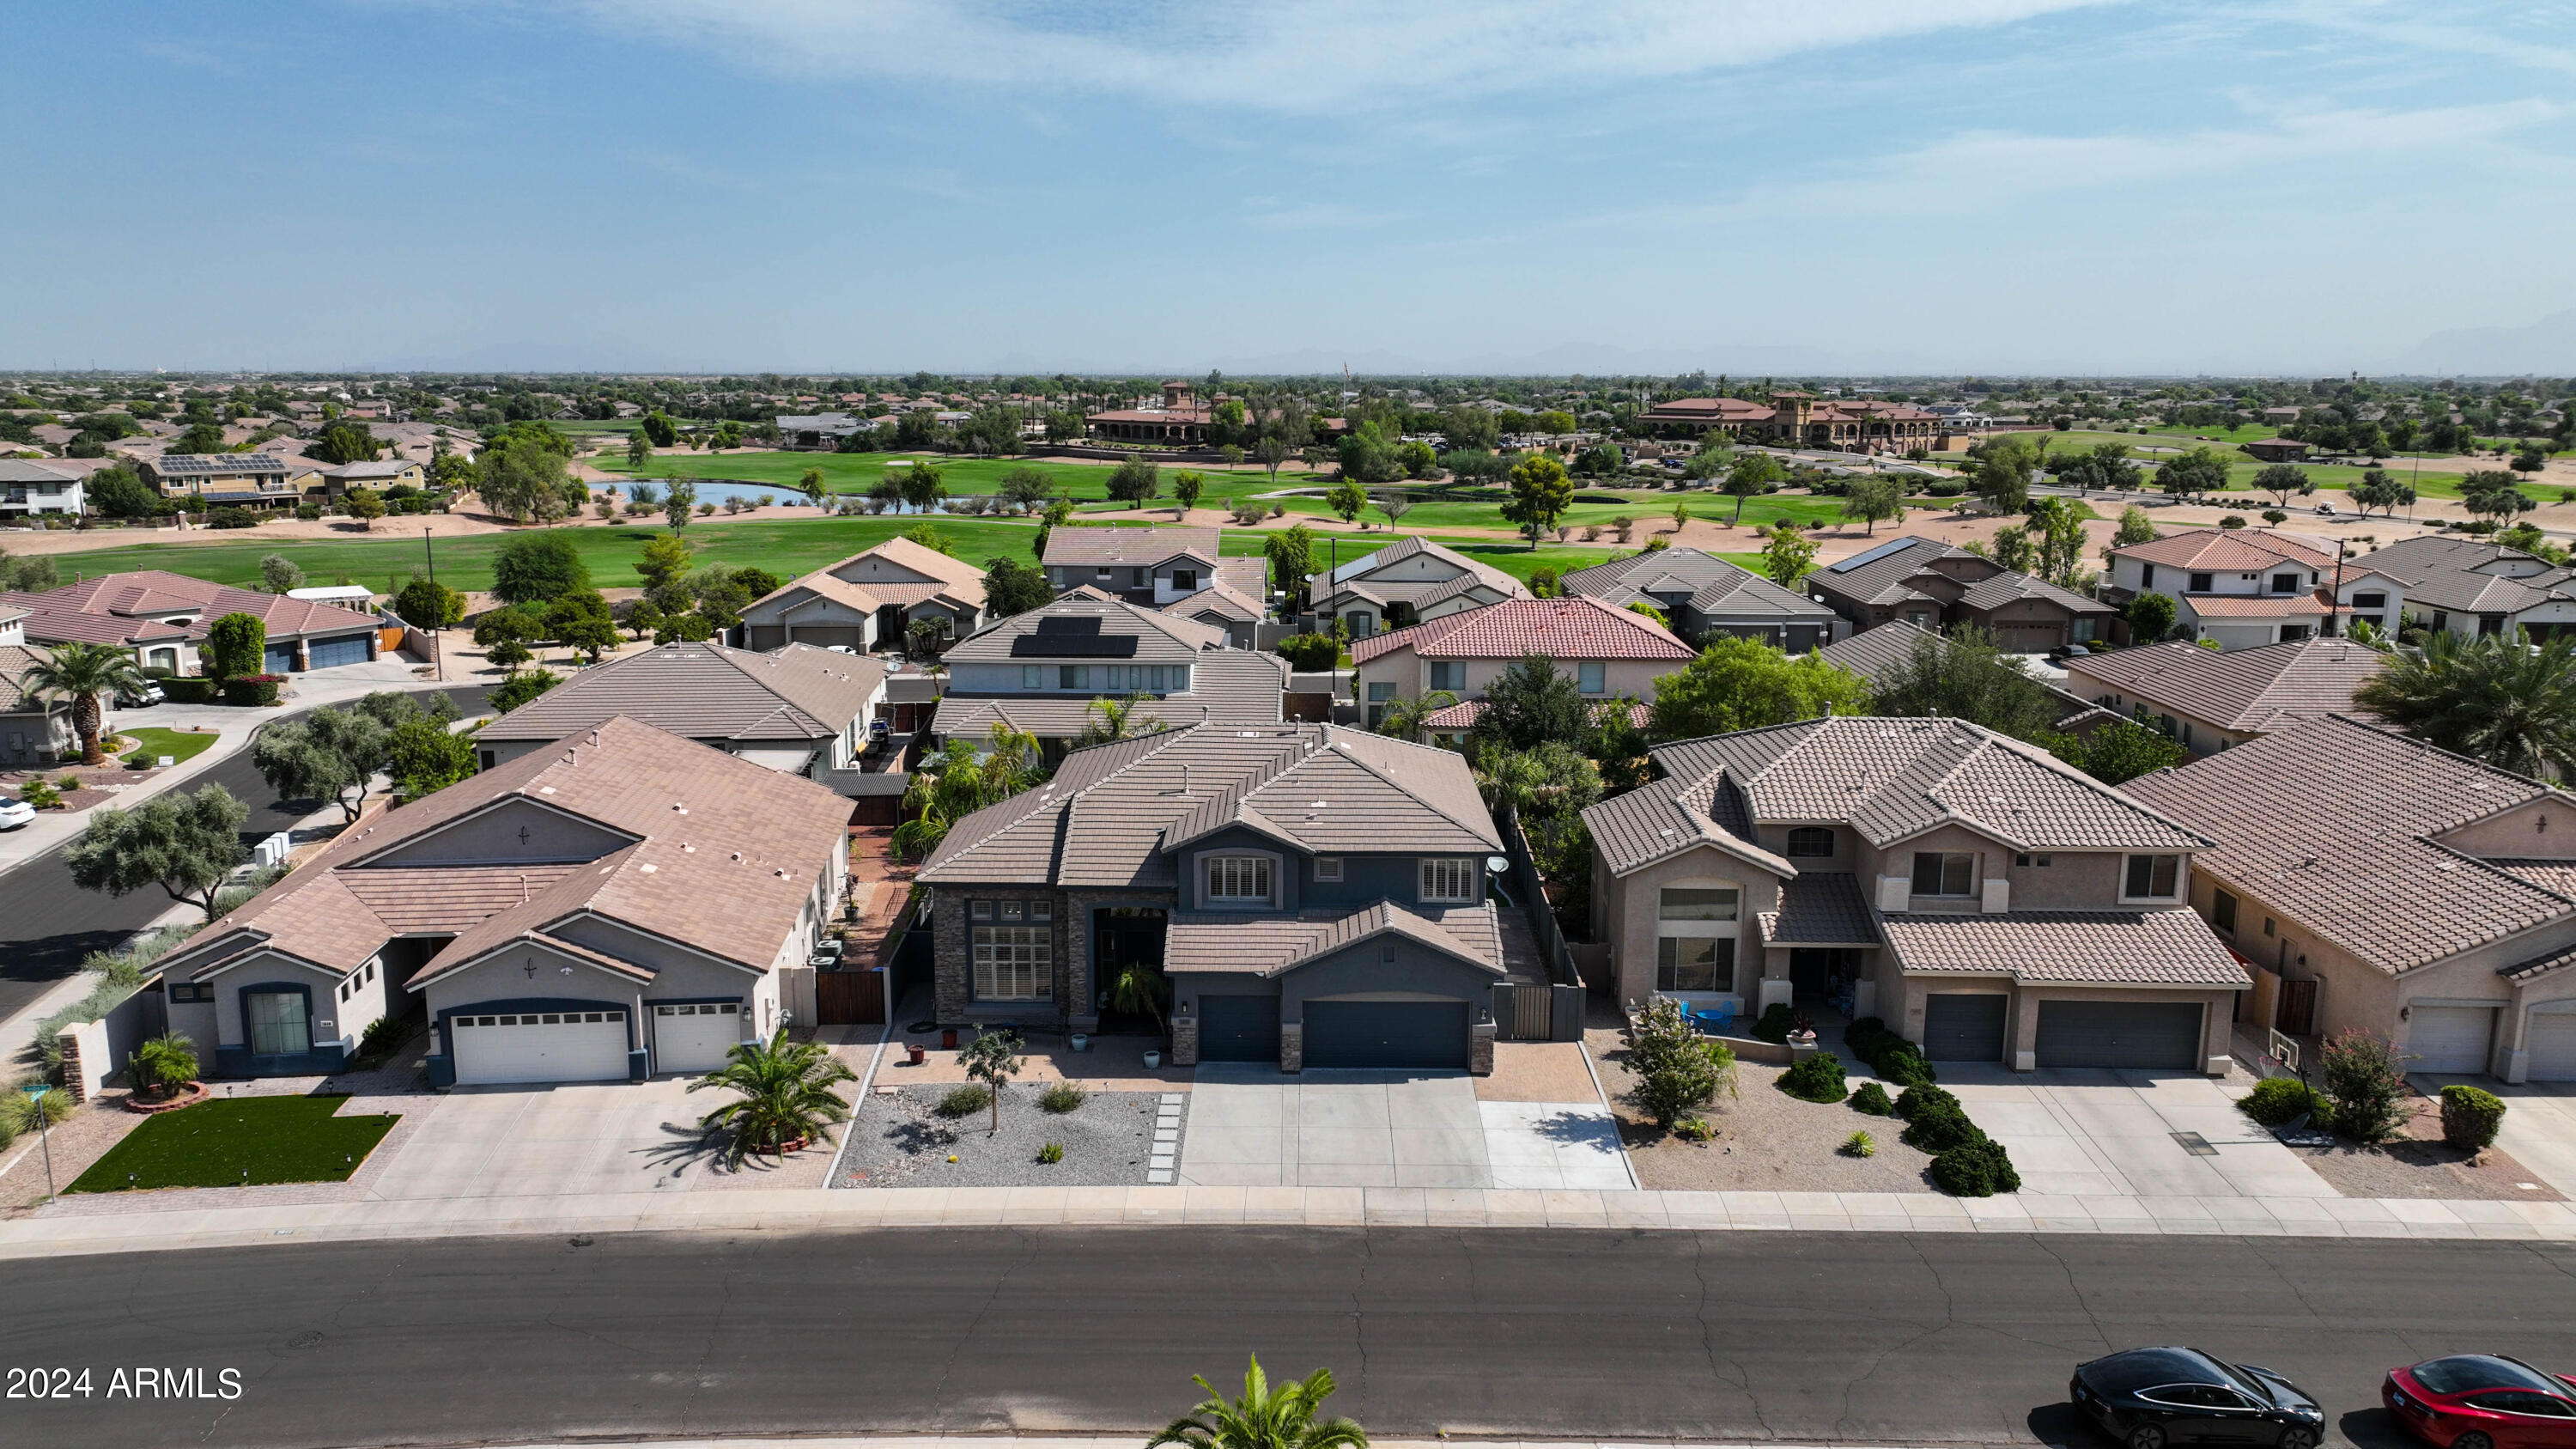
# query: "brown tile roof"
[823,584]
[1276,945]
[1112,812]
[2260,606]
[2223,549]
[1464,713]
[1227,687]
[1161,637]
[1131,547]
[2258,689]
[707,692]
[922,559]
[2336,825]
[2106,948]
[2011,588]
[1884,575]
[1222,599]
[1712,585]
[155,591]
[1576,628]
[15,661]
[68,626]
[1821,908]
[1413,545]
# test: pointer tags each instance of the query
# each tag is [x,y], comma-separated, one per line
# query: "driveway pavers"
[2092,1133]
[1254,1126]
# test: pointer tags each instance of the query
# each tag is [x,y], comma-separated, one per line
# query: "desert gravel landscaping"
[1767,1140]
[899,1139]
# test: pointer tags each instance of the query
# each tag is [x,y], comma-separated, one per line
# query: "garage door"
[345,649]
[825,636]
[278,659]
[553,1046]
[694,1036]
[2162,1034]
[1386,1034]
[1238,1028]
[1962,1026]
[2448,1038]
[2551,1041]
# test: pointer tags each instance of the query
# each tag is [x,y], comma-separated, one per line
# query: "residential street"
[1800,1338]
[52,923]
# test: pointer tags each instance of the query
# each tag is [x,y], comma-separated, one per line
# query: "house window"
[2370,601]
[1448,880]
[2199,583]
[2030,860]
[1328,867]
[1013,962]
[1185,581]
[1694,963]
[2153,877]
[2222,911]
[2082,629]
[1179,675]
[2289,634]
[1590,676]
[277,1023]
[1140,578]
[2285,583]
[1032,676]
[1944,872]
[486,759]
[1357,621]
[1811,840]
[2146,576]
[1380,691]
[1450,675]
[1241,879]
[1010,913]
[1073,676]
[2267,925]
[191,991]
[1688,903]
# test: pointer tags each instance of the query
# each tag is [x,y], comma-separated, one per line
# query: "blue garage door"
[1238,1028]
[344,649]
[1386,1034]
[280,659]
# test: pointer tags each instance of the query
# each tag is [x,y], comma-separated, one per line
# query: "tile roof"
[15,661]
[157,591]
[1135,547]
[1879,575]
[373,468]
[923,559]
[2010,588]
[709,693]
[1236,943]
[1113,812]
[1712,585]
[1464,713]
[1820,908]
[2336,824]
[22,470]
[1222,599]
[2222,549]
[2411,561]
[1227,687]
[2260,606]
[721,855]
[2106,948]
[1414,545]
[1160,637]
[50,625]
[1576,628]
[2256,689]
[2476,593]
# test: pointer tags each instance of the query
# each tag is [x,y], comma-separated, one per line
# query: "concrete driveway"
[574,1138]
[1254,1126]
[2089,1132]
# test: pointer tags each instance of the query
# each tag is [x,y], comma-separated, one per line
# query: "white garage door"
[2448,1038]
[553,1046]
[695,1037]
[2552,1044]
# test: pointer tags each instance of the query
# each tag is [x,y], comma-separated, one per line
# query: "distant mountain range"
[2545,348]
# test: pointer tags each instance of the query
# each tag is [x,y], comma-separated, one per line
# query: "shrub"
[251,691]
[1052,1153]
[1676,1068]
[40,794]
[2470,1117]
[1860,1144]
[228,516]
[1978,1168]
[1062,1097]
[1945,488]
[23,1112]
[1935,1122]
[2276,1100]
[1872,1099]
[965,1101]
[1694,1129]
[190,690]
[2363,1083]
[1775,1024]
[165,1064]
[523,686]
[1887,1053]
[1819,1078]
[382,1035]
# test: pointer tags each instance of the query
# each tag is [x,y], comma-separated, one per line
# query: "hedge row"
[1889,1055]
[1965,1161]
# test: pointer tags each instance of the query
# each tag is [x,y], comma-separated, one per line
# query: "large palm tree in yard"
[2499,700]
[85,674]
[1264,1418]
[786,1095]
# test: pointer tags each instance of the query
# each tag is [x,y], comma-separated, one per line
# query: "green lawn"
[2433,478]
[152,742]
[231,1142]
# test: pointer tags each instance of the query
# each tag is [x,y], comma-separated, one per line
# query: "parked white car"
[15,813]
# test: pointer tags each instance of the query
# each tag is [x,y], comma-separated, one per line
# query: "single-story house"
[2211,700]
[163,617]
[869,600]
[798,709]
[1707,597]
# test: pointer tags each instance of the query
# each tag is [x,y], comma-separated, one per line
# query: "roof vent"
[737,855]
[1317,804]
[649,867]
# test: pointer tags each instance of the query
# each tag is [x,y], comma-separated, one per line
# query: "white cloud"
[1289,55]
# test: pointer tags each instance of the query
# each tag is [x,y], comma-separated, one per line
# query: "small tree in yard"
[236,644]
[85,674]
[2152,616]
[1286,1417]
[185,844]
[1676,1068]
[164,1065]
[786,1095]
[2364,1083]
[993,1058]
[323,756]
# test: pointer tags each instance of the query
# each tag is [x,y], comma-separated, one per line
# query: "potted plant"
[1153,1060]
[1081,1041]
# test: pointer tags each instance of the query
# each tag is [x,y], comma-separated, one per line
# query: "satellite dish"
[1498,865]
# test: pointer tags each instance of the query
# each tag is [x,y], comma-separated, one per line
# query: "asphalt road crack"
[1949,1318]
[1721,1367]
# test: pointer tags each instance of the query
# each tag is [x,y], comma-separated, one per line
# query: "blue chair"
[1713,1020]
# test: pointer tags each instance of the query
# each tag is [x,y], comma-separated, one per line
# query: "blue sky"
[1745,185]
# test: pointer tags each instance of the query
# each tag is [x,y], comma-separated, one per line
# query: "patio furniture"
[1713,1020]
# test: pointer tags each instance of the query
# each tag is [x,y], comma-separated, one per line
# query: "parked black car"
[2150,1398]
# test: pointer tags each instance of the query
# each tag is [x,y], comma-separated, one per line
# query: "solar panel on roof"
[1074,646]
[1868,555]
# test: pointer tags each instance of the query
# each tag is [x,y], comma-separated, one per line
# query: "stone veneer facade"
[1074,988]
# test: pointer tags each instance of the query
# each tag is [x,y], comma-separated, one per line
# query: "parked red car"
[2483,1401]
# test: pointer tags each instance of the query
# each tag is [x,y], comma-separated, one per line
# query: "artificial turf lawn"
[278,1139]
[152,742]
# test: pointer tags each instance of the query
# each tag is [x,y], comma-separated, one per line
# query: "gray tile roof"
[1161,638]
[1409,546]
[1130,547]
[1821,908]
[1112,812]
[1873,654]
[1251,945]
[1879,575]
[1713,586]
[1227,687]
[2257,689]
[2108,948]
[2336,824]
[707,692]
[22,470]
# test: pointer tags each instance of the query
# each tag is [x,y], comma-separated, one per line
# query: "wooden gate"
[849,998]
[1529,1013]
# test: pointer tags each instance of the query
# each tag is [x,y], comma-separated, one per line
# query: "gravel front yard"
[2420,1164]
[898,1139]
[1767,1140]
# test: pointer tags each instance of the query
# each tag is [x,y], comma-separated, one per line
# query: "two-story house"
[1155,567]
[869,600]
[1706,597]
[2240,587]
[31,488]
[1040,672]
[1933,585]
[1979,896]
[2469,586]
[1611,653]
[2211,700]
[1410,581]
[2377,883]
[620,904]
[377,474]
[1877,655]
[254,480]
[797,709]
[1315,897]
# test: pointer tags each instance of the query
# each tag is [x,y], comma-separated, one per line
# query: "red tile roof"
[2219,549]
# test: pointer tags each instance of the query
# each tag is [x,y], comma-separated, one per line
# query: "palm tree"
[82,673]
[787,1095]
[1405,714]
[1264,1418]
[1118,719]
[2499,700]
